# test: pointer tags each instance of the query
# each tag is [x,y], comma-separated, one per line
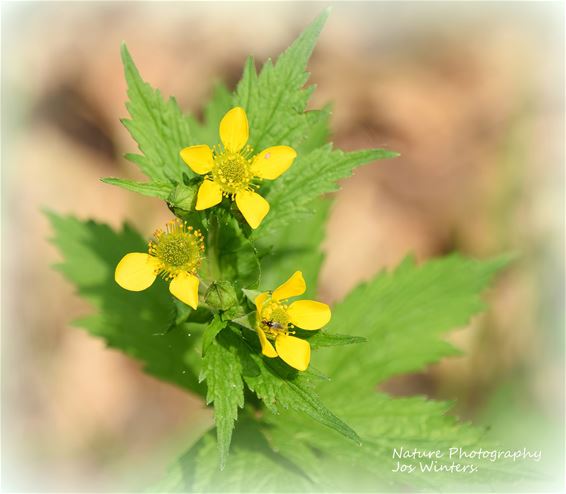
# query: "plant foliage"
[276,429]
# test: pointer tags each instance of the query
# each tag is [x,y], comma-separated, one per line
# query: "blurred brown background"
[471,94]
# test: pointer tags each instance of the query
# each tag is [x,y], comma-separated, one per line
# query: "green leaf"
[140,324]
[325,339]
[403,314]
[311,176]
[222,370]
[318,130]
[152,189]
[183,312]
[291,453]
[276,100]
[296,247]
[280,386]
[207,132]
[253,467]
[232,256]
[215,326]
[158,126]
[383,424]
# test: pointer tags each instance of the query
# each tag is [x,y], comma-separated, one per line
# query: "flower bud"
[183,197]
[221,295]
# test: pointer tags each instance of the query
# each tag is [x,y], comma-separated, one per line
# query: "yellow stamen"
[179,249]
[232,171]
[274,319]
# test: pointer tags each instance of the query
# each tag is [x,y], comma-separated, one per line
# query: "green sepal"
[184,197]
[246,321]
[251,295]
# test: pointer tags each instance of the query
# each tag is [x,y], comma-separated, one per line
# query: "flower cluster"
[231,170]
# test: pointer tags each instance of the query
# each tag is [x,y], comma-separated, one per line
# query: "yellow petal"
[308,314]
[234,129]
[253,207]
[185,287]
[136,271]
[266,346]
[199,158]
[273,161]
[294,286]
[293,351]
[209,194]
[259,300]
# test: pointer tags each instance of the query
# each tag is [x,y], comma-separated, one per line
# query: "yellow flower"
[230,168]
[275,319]
[174,254]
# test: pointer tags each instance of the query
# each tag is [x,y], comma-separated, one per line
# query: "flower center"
[274,319]
[179,248]
[232,171]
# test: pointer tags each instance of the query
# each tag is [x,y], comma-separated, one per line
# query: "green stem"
[213,250]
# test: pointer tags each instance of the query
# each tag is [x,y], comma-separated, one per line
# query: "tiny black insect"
[272,324]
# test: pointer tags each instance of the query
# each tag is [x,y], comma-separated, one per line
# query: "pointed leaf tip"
[125,53]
